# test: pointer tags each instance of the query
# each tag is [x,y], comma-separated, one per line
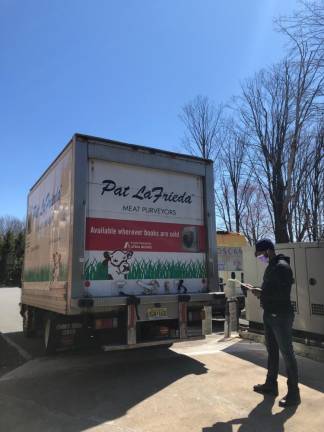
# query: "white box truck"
[120,247]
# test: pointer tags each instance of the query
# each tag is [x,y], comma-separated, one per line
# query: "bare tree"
[202,120]
[255,218]
[316,181]
[269,171]
[305,31]
[234,182]
[223,199]
[11,223]
[275,108]
[306,26]
[308,214]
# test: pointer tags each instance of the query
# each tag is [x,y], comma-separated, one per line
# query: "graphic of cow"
[117,263]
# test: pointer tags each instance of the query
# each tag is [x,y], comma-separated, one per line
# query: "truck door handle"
[312,281]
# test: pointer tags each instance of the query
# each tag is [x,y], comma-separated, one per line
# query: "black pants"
[278,337]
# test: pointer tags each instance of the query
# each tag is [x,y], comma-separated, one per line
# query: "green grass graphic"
[95,270]
[148,269]
[44,274]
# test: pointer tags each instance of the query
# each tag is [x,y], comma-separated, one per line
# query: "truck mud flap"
[61,334]
[50,336]
[183,316]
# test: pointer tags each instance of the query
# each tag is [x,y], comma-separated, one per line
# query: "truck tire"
[50,336]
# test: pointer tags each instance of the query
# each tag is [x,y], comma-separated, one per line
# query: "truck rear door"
[145,232]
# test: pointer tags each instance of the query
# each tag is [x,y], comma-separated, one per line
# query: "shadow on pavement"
[85,395]
[9,358]
[33,346]
[260,418]
[311,373]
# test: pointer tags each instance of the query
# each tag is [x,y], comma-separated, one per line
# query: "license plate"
[155,313]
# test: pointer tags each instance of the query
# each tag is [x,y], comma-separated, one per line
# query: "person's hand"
[245,287]
[256,292]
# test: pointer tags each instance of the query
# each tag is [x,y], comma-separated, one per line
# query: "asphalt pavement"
[200,386]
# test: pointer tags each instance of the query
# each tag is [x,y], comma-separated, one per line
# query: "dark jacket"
[276,287]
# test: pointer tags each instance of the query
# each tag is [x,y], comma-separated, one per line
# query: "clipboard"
[247,287]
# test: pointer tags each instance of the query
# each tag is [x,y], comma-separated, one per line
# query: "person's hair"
[264,244]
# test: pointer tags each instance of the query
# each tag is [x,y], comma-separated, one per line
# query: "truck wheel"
[28,322]
[50,336]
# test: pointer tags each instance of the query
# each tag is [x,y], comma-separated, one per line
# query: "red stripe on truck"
[112,234]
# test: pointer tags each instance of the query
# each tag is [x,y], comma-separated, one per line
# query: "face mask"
[263,259]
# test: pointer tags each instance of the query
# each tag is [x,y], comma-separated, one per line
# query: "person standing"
[278,317]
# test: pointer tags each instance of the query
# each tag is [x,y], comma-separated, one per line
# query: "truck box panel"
[46,264]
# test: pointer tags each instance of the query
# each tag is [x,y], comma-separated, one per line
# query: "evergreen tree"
[8,258]
[19,258]
[2,264]
[12,244]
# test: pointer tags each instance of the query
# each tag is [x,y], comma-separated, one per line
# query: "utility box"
[307,294]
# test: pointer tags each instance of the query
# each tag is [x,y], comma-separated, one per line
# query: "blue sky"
[117,69]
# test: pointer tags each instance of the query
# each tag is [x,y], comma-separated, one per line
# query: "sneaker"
[270,389]
[291,399]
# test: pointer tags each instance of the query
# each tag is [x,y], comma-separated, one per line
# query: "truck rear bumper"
[102,304]
[130,322]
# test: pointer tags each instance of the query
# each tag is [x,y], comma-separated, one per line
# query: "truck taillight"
[164,331]
[106,323]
